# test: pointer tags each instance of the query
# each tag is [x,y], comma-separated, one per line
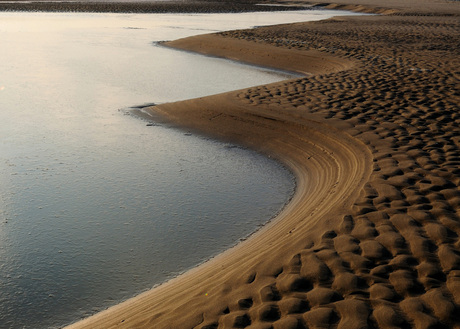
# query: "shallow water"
[96,206]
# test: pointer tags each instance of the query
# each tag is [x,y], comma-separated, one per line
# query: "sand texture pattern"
[371,237]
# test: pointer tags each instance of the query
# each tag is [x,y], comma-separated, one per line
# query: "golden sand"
[371,237]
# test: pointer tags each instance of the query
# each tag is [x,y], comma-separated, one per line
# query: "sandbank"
[371,236]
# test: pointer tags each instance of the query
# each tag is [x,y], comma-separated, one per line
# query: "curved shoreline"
[327,183]
[337,168]
[370,238]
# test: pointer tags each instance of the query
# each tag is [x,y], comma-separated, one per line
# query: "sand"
[371,237]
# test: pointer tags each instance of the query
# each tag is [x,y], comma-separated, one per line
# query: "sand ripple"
[371,239]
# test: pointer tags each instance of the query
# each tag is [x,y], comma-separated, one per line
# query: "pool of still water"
[96,206]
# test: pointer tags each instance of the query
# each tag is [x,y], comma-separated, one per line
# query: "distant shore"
[371,239]
[120,6]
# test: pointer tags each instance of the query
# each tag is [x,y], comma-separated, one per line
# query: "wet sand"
[371,237]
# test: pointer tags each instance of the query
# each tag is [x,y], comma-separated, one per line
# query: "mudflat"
[371,237]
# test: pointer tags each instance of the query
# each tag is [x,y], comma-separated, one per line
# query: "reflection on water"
[96,206]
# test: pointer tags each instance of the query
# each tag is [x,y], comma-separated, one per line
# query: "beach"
[371,237]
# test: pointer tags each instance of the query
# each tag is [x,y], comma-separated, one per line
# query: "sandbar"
[372,133]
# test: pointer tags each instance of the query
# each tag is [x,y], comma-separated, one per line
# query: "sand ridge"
[298,61]
[371,238]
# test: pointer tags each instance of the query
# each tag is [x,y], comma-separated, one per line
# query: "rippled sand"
[371,238]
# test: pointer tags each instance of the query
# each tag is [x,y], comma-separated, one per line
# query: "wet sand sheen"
[371,237]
